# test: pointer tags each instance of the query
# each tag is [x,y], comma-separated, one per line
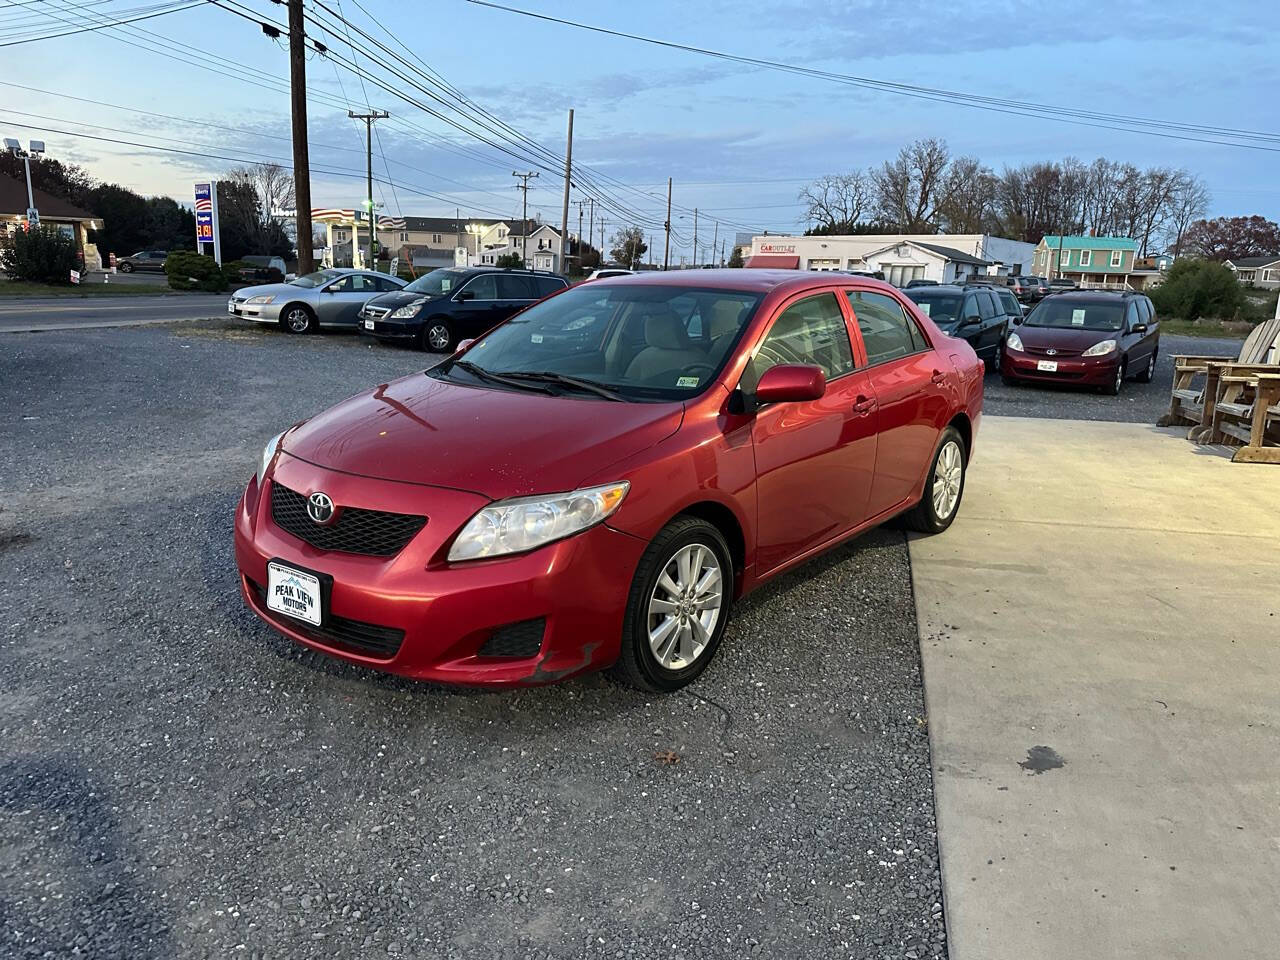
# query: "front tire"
[437,335]
[677,608]
[1009,381]
[1112,389]
[1149,371]
[943,488]
[125,268]
[298,318]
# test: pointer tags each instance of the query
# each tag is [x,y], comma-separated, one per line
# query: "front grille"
[352,635]
[1060,352]
[376,313]
[523,639]
[374,533]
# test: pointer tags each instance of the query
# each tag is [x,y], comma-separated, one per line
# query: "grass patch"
[20,288]
[1223,329]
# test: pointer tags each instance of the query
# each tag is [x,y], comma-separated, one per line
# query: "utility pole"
[580,206]
[301,158]
[523,186]
[649,247]
[564,212]
[602,223]
[369,119]
[695,238]
[715,240]
[591,225]
[666,256]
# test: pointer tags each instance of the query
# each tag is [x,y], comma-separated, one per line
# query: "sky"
[738,140]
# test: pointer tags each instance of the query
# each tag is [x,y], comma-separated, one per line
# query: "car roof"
[1098,294]
[744,279]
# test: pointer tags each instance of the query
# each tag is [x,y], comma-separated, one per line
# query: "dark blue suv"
[445,306]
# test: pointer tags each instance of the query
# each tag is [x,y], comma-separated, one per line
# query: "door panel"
[481,312]
[910,395]
[815,460]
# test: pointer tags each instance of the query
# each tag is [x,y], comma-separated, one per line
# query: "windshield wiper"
[546,376]
[483,374]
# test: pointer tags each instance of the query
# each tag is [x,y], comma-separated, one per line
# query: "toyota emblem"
[1051,352]
[320,507]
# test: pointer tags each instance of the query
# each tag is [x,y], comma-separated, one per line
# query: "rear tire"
[943,487]
[676,614]
[1148,373]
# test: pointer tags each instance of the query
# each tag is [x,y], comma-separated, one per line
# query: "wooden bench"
[1187,399]
[1248,412]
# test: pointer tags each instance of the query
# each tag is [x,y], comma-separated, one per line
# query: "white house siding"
[850,252]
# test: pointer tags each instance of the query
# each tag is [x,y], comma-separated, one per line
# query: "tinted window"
[386,284]
[513,286]
[886,331]
[942,308]
[1131,314]
[986,306]
[548,285]
[1010,304]
[1076,314]
[1144,309]
[811,331]
[483,287]
[438,282]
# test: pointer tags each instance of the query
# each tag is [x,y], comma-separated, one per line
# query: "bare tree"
[837,200]
[1188,202]
[968,196]
[909,188]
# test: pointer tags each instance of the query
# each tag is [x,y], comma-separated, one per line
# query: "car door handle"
[939,377]
[863,405]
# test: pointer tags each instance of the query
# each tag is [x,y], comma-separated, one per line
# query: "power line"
[115,23]
[1142,125]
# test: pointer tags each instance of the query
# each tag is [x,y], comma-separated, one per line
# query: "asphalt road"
[26,314]
[176,780]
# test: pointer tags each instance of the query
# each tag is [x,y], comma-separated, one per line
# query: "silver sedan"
[326,298]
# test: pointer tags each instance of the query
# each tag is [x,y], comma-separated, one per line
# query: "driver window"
[342,286]
[483,287]
[986,307]
[810,331]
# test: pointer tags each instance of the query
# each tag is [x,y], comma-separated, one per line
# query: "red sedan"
[596,481]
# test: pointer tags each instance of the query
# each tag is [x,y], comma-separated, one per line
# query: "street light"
[37,148]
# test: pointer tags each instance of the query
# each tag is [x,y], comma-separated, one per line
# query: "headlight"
[1100,349]
[268,452]
[1014,342]
[513,526]
[408,310]
[263,299]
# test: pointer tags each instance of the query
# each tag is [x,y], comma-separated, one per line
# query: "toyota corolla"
[596,482]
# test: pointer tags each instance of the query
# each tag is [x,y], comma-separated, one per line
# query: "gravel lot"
[1137,402]
[178,781]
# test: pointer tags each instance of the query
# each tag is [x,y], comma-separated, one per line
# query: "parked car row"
[979,313]
[434,312]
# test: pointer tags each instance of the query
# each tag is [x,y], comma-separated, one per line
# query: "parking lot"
[178,780]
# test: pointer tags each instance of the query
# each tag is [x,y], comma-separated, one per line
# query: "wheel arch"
[964,426]
[284,311]
[726,521]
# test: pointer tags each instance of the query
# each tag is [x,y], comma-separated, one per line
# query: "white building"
[541,251]
[901,258]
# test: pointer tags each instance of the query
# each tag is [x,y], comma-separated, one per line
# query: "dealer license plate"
[1048,366]
[294,593]
[368,324]
[231,308]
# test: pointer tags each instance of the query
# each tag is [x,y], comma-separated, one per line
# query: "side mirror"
[1138,328]
[971,321]
[463,345]
[791,382]
[463,295]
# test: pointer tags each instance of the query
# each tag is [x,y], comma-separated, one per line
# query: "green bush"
[195,271]
[42,255]
[511,261]
[1195,289]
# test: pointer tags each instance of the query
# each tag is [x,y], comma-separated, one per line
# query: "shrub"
[509,261]
[42,255]
[1199,288]
[195,271]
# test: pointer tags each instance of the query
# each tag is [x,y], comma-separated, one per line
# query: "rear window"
[548,285]
[941,308]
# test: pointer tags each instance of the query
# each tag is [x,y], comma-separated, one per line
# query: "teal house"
[1100,262]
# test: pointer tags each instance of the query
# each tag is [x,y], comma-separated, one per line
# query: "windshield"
[941,308]
[1077,315]
[437,283]
[315,279]
[642,341]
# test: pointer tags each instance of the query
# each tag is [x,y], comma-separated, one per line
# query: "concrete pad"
[1111,593]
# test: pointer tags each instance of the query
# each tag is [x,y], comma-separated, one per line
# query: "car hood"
[273,289]
[497,443]
[1064,338]
[400,298]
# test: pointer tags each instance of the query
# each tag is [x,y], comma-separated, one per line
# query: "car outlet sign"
[206,208]
[777,248]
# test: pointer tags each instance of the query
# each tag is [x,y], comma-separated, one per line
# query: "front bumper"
[385,329]
[262,312]
[1084,371]
[447,612]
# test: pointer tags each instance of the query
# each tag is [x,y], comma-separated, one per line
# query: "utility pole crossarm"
[523,186]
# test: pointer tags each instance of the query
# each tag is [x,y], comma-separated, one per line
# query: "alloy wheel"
[685,606]
[438,337]
[299,320]
[947,476]
[1119,377]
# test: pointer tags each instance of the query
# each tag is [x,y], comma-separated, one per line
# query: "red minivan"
[594,482]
